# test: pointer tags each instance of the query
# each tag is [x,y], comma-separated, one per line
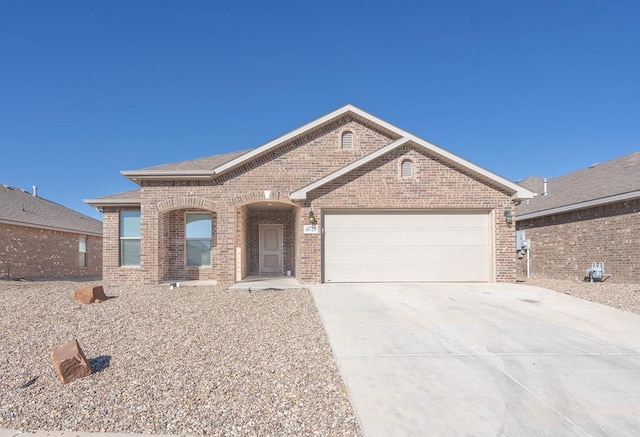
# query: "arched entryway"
[265,239]
[187,239]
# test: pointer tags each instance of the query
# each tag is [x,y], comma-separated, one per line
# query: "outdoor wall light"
[507,216]
[312,218]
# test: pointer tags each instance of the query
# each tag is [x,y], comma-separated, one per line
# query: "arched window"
[406,169]
[347,140]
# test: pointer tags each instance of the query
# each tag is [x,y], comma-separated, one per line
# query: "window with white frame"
[129,238]
[82,249]
[406,169]
[198,239]
[347,140]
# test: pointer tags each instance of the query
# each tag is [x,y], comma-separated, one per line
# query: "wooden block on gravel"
[70,362]
[86,295]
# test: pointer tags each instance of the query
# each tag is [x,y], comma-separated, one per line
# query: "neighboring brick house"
[42,239]
[591,215]
[345,198]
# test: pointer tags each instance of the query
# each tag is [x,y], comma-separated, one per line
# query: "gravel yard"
[622,296]
[195,360]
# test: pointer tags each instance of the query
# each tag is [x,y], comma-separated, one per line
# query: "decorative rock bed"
[194,360]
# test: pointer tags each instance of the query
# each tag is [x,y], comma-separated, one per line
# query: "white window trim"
[85,264]
[121,238]
[186,240]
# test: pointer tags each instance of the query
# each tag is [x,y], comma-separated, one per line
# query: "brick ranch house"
[591,215]
[347,197]
[42,239]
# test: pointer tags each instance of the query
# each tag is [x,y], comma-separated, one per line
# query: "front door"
[270,249]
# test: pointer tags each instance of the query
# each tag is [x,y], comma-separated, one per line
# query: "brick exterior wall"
[242,246]
[35,253]
[111,269]
[436,185]
[172,246]
[565,245]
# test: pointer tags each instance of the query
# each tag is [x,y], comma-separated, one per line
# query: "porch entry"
[270,249]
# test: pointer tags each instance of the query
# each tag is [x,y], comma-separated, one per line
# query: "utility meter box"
[520,240]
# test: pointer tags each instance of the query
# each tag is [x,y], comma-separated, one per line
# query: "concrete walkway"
[266,282]
[483,359]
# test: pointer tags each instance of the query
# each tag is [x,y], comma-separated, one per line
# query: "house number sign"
[310,229]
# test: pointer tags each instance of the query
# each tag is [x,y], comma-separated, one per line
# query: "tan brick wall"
[34,253]
[292,166]
[436,186]
[565,245]
[111,249]
[173,247]
[242,247]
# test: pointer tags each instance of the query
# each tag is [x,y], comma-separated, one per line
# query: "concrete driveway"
[483,359]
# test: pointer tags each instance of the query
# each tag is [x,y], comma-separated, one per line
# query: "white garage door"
[405,247]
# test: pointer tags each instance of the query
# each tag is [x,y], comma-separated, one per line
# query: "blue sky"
[89,88]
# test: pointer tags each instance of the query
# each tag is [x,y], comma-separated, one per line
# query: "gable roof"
[598,184]
[194,168]
[20,208]
[301,194]
[208,168]
[124,198]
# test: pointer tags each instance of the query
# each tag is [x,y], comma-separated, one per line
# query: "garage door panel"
[407,247]
[475,238]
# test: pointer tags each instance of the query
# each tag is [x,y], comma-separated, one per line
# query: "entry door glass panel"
[271,248]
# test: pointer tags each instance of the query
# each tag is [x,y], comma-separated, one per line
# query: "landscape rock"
[70,362]
[86,295]
[210,362]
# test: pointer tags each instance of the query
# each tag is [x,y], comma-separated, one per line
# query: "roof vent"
[594,165]
[544,187]
[35,191]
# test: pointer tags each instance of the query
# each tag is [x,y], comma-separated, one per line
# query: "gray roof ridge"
[22,208]
[610,180]
[595,165]
[40,198]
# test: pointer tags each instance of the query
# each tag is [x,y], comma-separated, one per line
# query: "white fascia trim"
[581,205]
[519,193]
[50,228]
[301,194]
[96,203]
[134,175]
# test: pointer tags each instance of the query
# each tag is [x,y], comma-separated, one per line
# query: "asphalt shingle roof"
[213,166]
[21,208]
[610,178]
[133,196]
[206,163]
